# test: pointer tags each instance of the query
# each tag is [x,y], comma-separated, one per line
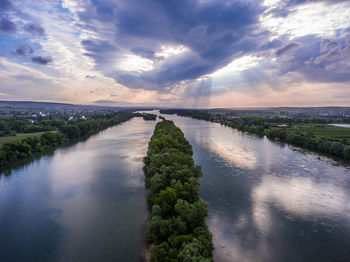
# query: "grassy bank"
[332,133]
[20,136]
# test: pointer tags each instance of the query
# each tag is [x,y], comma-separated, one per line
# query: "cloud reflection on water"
[299,197]
[227,145]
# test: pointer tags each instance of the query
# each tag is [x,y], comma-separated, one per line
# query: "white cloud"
[236,66]
[135,63]
[233,75]
[168,51]
[308,19]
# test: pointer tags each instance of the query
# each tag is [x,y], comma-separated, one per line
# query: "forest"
[61,132]
[309,133]
[177,227]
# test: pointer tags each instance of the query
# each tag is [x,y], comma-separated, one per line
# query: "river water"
[341,125]
[269,201]
[87,202]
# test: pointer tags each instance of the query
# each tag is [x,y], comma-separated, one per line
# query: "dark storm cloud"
[215,32]
[286,48]
[24,50]
[7,25]
[41,60]
[34,29]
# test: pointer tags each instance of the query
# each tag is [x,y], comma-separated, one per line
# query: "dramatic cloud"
[180,53]
[41,60]
[155,45]
[24,50]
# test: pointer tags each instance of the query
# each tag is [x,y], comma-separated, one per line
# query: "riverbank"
[21,149]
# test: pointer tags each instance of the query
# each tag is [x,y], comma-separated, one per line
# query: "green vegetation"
[20,136]
[332,133]
[320,138]
[146,116]
[149,117]
[14,125]
[312,134]
[66,131]
[178,224]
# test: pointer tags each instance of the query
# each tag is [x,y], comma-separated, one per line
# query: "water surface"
[269,201]
[85,202]
[341,125]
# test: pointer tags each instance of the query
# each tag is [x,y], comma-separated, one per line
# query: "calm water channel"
[87,202]
[268,202]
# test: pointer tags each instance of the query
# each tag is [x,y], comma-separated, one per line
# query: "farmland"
[332,133]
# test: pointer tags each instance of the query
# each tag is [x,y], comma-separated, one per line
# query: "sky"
[176,53]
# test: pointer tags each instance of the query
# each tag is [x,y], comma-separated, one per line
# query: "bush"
[346,152]
[193,251]
[295,139]
[276,133]
[323,145]
[336,148]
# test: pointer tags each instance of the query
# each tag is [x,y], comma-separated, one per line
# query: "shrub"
[346,152]
[336,148]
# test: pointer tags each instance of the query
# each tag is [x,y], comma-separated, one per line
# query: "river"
[341,125]
[269,201]
[87,202]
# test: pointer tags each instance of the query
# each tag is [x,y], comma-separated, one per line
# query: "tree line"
[146,116]
[64,132]
[177,227]
[262,126]
[9,127]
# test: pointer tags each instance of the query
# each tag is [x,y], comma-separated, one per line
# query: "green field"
[321,130]
[19,136]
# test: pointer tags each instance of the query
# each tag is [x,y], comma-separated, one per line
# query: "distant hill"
[326,111]
[301,111]
[30,104]
[51,106]
[48,106]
